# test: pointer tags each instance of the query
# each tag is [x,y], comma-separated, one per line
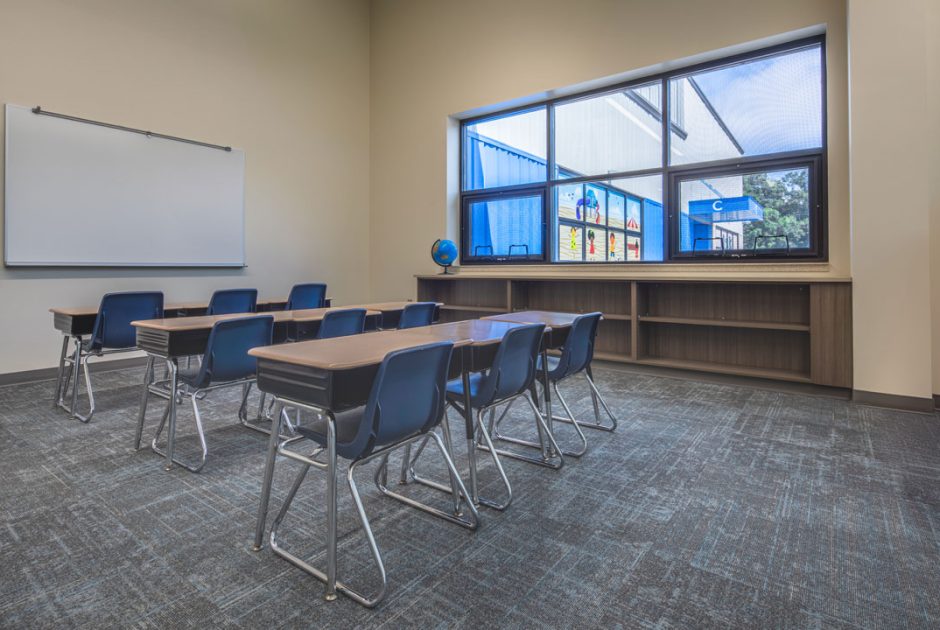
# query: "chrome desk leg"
[171,430]
[330,594]
[88,389]
[56,399]
[548,396]
[148,380]
[76,366]
[268,477]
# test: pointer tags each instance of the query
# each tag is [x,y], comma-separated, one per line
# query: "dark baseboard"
[44,374]
[893,401]
[806,389]
[936,401]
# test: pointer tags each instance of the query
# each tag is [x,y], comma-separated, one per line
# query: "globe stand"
[446,272]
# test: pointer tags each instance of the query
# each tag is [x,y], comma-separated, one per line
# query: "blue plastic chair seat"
[347,427]
[189,375]
[455,386]
[553,363]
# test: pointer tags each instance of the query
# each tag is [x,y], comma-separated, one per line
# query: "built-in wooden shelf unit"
[791,330]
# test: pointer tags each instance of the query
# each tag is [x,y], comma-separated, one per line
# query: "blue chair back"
[227,357]
[417,314]
[579,347]
[226,301]
[310,295]
[514,367]
[407,398]
[112,328]
[349,321]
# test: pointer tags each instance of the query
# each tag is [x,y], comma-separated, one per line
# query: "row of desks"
[79,321]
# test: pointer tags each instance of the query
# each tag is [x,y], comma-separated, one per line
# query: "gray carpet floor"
[712,506]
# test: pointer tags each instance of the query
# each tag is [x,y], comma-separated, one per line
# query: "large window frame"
[814,159]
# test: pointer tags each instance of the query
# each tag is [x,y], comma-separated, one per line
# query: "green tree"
[786,209]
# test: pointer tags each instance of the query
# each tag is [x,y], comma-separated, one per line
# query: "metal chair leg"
[88,389]
[595,398]
[457,490]
[499,466]
[555,462]
[202,438]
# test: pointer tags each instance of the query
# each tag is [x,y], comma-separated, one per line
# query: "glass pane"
[505,151]
[616,207]
[641,217]
[595,204]
[752,211]
[506,227]
[615,246]
[570,239]
[595,250]
[615,132]
[569,200]
[763,106]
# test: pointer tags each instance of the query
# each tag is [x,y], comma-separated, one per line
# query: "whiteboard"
[78,194]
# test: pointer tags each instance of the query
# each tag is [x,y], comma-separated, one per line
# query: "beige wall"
[888,58]
[285,80]
[432,59]
[933,122]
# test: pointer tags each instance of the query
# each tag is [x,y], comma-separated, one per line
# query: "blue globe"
[444,253]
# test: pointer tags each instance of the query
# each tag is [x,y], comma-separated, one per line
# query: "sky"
[772,104]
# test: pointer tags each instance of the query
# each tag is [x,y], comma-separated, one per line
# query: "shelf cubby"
[784,329]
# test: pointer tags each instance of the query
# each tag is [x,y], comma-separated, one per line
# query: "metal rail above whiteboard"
[149,134]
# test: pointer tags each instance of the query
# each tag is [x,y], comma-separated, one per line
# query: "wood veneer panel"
[491,293]
[609,297]
[784,303]
[613,337]
[782,350]
[831,334]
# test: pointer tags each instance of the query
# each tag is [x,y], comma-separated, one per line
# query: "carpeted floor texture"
[711,506]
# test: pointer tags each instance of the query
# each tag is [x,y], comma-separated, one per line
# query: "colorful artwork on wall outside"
[615,246]
[634,219]
[616,210]
[570,241]
[633,248]
[569,198]
[594,205]
[595,249]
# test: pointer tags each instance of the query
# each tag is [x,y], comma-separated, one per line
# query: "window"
[722,161]
[761,212]
[498,228]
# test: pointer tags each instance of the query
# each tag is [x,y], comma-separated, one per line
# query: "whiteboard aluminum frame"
[101,264]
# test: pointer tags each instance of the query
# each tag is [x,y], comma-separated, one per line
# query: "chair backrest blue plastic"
[112,328]
[348,321]
[407,397]
[417,314]
[579,347]
[226,301]
[514,366]
[227,357]
[309,295]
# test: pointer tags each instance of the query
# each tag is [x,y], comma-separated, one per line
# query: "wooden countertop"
[551,319]
[811,277]
[176,324]
[199,322]
[79,311]
[387,307]
[343,353]
[476,331]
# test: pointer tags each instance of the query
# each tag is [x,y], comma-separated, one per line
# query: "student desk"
[175,337]
[78,322]
[331,375]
